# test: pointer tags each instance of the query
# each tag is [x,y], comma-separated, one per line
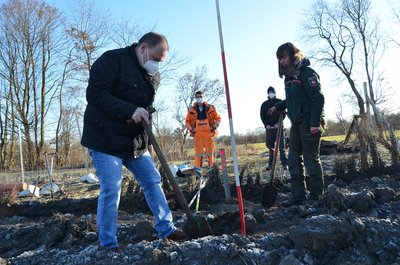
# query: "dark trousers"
[305,146]
[270,143]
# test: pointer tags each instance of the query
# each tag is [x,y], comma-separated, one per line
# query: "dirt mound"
[355,222]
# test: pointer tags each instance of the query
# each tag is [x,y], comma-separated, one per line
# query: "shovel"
[195,227]
[270,192]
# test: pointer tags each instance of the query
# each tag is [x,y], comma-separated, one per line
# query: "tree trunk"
[394,150]
[373,149]
[363,146]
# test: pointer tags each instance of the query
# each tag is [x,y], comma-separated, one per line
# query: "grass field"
[337,138]
[252,155]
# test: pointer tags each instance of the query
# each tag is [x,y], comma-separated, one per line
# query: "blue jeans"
[109,170]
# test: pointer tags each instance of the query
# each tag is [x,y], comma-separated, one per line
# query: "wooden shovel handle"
[164,164]
[276,149]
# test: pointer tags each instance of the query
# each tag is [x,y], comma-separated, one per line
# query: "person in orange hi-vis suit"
[202,120]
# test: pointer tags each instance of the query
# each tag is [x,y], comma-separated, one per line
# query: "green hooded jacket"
[304,99]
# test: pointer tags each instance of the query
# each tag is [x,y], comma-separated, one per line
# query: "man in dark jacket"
[304,103]
[271,128]
[121,88]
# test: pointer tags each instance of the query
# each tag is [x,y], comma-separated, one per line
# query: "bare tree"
[344,36]
[2,128]
[64,136]
[30,42]
[90,32]
[126,32]
[4,109]
[395,7]
[67,70]
[161,125]
[334,42]
[7,124]
[339,126]
[87,36]
[368,32]
[186,88]
[371,41]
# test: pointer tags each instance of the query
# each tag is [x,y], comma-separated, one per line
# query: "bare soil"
[356,221]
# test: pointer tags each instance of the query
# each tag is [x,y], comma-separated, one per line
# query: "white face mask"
[151,66]
[271,95]
[199,100]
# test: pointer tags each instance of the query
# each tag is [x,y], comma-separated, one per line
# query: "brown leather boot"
[178,235]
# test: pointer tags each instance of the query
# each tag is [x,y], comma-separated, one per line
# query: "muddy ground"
[357,221]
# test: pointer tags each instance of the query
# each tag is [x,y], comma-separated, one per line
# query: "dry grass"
[337,138]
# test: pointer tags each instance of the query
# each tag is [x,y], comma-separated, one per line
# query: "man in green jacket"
[304,103]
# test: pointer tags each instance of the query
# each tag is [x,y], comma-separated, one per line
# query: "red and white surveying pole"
[233,144]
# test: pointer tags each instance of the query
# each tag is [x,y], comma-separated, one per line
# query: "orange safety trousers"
[203,144]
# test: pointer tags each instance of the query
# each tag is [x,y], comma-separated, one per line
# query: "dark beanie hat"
[271,89]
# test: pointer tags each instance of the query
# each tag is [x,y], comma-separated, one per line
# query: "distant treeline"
[331,128]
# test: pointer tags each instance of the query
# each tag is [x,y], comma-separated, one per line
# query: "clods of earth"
[356,221]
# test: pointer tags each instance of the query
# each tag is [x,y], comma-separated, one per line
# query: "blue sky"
[252,31]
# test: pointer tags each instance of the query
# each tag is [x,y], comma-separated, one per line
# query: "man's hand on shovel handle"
[141,114]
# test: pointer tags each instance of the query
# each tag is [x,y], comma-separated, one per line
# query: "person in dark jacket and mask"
[271,128]
[304,103]
[121,89]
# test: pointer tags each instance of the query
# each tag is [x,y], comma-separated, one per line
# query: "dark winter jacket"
[272,119]
[304,99]
[117,86]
